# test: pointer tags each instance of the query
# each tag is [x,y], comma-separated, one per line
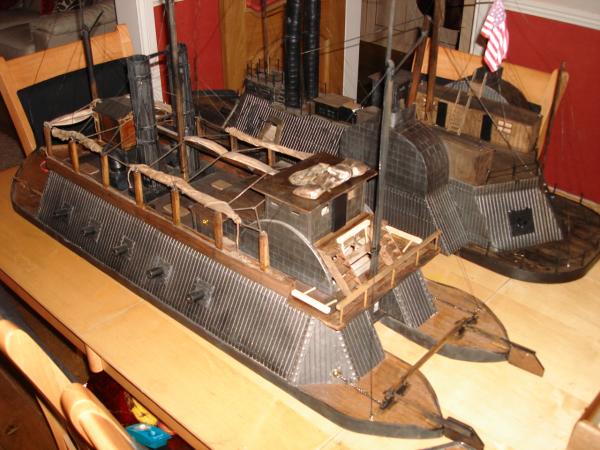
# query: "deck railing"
[367,293]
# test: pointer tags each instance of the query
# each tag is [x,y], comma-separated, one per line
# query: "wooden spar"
[384,143]
[265,33]
[208,201]
[67,135]
[401,385]
[418,63]
[560,81]
[174,47]
[438,17]
[268,145]
[223,153]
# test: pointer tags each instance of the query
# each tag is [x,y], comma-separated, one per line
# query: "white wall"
[585,13]
[138,15]
[351,47]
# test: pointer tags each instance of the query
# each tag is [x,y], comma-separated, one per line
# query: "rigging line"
[85,124]
[213,104]
[202,169]
[462,76]
[529,132]
[486,110]
[398,67]
[463,268]
[243,191]
[340,45]
[202,48]
[91,135]
[526,34]
[160,158]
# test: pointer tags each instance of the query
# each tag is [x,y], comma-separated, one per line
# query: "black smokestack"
[292,54]
[189,122]
[142,104]
[312,22]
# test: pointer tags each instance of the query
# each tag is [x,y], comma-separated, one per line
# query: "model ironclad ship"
[474,171]
[265,248]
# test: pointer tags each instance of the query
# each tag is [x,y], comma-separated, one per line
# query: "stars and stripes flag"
[495,31]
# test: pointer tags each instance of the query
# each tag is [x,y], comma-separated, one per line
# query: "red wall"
[198,27]
[573,160]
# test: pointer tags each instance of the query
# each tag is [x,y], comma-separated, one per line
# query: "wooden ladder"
[457,116]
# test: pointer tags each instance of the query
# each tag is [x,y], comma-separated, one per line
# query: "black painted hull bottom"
[553,262]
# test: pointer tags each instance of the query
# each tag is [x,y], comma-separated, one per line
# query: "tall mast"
[384,142]
[438,18]
[179,119]
[265,33]
[87,51]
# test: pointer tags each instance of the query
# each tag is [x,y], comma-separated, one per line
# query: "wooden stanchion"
[139,190]
[218,230]
[73,153]
[263,250]
[175,207]
[105,171]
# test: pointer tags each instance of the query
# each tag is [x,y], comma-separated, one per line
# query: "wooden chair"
[63,402]
[25,71]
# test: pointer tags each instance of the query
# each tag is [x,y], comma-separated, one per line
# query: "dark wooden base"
[484,341]
[553,262]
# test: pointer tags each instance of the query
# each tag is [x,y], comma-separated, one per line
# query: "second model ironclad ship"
[467,161]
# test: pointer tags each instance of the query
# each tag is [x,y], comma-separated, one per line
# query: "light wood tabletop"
[210,398]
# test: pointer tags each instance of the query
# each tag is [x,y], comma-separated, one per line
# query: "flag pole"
[438,18]
[384,141]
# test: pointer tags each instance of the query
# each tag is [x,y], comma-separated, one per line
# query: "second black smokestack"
[189,122]
[142,103]
[312,22]
[292,54]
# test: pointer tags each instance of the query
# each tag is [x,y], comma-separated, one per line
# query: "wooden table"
[211,398]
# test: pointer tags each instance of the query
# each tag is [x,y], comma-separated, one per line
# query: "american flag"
[494,29]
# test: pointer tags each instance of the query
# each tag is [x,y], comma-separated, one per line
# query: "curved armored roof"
[417,158]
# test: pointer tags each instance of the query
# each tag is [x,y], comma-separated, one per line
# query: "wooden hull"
[485,340]
[415,415]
